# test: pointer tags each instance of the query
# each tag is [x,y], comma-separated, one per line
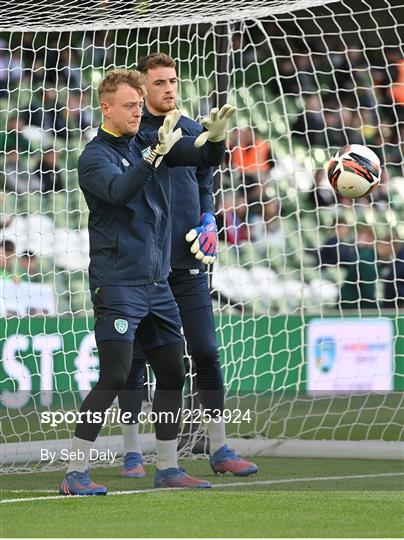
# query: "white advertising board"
[349,355]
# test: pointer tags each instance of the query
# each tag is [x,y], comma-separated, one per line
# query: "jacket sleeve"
[101,177]
[185,154]
[205,183]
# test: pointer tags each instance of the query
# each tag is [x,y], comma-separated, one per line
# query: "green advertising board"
[52,357]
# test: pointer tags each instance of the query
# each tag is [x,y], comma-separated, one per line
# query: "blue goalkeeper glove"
[204,239]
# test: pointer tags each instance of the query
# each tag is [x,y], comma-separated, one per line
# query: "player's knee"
[169,369]
[206,357]
[167,363]
[115,380]
[136,378]
[208,369]
[172,377]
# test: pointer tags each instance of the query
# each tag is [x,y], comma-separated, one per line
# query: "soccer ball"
[354,171]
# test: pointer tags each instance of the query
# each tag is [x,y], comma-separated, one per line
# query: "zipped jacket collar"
[123,140]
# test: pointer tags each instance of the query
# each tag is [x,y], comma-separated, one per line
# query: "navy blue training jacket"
[128,199]
[191,195]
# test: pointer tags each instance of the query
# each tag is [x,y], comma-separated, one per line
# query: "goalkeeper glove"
[205,245]
[215,125]
[167,137]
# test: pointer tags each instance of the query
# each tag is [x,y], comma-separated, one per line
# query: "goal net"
[308,286]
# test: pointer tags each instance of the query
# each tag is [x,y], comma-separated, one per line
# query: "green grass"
[289,497]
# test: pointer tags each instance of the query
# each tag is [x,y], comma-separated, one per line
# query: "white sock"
[131,442]
[166,454]
[81,449]
[217,434]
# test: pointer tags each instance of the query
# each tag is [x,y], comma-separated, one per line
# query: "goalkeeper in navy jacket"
[194,238]
[126,183]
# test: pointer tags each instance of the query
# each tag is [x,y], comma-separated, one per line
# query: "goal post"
[311,342]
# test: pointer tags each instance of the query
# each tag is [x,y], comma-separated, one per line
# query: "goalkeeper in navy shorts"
[194,239]
[125,178]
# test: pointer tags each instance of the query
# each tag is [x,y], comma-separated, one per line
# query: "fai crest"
[121,325]
[326,353]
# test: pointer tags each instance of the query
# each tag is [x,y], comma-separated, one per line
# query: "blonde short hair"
[113,79]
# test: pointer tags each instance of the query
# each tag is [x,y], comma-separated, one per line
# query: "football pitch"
[289,497]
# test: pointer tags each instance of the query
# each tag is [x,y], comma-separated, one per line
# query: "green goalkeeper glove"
[215,125]
[167,137]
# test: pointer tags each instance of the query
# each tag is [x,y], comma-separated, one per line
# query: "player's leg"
[192,294]
[168,367]
[160,336]
[130,402]
[115,361]
[114,331]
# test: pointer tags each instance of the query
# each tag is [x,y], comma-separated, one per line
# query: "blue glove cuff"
[208,219]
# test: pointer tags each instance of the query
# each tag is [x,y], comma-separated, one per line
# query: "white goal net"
[308,289]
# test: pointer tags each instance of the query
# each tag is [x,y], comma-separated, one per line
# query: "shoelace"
[132,461]
[231,454]
[83,478]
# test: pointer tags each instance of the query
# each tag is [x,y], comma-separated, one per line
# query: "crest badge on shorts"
[125,162]
[121,325]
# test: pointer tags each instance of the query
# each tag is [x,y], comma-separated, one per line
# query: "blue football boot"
[133,466]
[226,460]
[80,483]
[178,478]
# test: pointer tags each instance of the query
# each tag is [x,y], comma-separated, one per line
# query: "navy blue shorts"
[149,311]
[192,294]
